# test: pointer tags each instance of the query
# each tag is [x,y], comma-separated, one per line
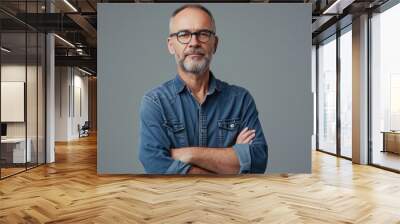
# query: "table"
[13,150]
[391,141]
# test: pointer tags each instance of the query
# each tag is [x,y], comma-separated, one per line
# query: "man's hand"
[246,136]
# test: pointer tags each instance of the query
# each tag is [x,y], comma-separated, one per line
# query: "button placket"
[202,128]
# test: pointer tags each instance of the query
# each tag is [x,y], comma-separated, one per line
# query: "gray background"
[265,48]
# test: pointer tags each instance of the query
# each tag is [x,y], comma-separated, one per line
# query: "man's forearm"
[218,160]
[197,170]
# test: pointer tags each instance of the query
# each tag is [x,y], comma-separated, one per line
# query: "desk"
[391,141]
[13,150]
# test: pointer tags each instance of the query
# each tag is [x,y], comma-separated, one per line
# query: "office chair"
[84,130]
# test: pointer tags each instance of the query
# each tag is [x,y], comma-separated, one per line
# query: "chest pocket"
[228,130]
[176,132]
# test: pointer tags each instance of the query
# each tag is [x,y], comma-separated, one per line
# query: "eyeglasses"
[185,36]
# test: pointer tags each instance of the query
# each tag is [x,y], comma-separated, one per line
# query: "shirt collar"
[213,84]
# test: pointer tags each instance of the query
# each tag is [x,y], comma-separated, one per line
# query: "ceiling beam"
[86,27]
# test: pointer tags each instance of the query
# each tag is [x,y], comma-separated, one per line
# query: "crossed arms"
[206,160]
[158,155]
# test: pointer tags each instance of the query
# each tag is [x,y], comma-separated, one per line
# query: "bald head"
[185,12]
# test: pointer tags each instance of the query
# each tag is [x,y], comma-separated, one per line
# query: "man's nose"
[194,41]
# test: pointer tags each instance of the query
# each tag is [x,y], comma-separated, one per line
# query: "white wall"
[70,83]
[14,72]
[62,81]
[79,117]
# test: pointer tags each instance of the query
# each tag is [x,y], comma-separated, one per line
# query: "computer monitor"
[3,129]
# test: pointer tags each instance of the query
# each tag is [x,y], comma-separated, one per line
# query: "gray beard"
[196,68]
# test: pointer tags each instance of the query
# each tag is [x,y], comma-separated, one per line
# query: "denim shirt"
[170,117]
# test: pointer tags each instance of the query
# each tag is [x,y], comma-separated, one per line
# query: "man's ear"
[170,47]
[216,44]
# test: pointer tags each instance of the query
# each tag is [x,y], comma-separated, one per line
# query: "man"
[195,123]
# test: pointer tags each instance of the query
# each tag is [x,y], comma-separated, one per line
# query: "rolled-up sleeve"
[243,154]
[154,144]
[253,157]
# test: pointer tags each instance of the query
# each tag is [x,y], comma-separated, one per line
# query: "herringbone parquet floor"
[70,191]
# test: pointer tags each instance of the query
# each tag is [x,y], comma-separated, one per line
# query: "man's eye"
[204,33]
[183,34]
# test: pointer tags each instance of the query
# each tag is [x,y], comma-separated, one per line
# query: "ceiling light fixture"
[84,71]
[70,5]
[65,41]
[338,6]
[5,50]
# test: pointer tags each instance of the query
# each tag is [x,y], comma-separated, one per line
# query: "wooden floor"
[5,172]
[70,191]
[8,171]
[387,159]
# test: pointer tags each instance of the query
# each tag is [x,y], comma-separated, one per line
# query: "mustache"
[195,51]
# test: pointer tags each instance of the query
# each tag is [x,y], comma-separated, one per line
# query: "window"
[346,92]
[385,88]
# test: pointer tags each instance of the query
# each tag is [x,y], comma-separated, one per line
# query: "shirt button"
[232,125]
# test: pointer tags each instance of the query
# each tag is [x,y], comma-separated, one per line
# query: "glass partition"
[14,153]
[327,95]
[22,78]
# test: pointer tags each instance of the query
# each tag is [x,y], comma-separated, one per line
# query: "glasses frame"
[197,33]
